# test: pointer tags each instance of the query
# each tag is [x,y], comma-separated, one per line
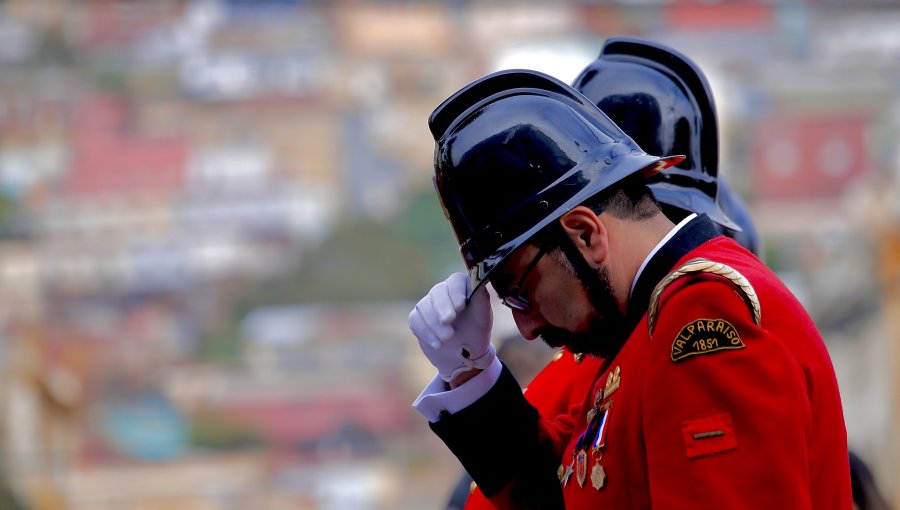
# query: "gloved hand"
[454,336]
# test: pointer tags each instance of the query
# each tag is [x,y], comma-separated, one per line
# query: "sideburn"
[608,331]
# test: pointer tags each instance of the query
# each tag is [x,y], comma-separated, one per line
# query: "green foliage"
[8,499]
[12,225]
[222,344]
[365,260]
[362,261]
[55,49]
[424,222]
[208,430]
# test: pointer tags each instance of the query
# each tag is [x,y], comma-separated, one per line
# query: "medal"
[581,467]
[566,474]
[612,382]
[598,476]
[595,434]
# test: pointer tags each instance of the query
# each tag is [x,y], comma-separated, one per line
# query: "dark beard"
[606,333]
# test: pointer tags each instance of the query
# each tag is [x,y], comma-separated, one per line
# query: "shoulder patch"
[704,336]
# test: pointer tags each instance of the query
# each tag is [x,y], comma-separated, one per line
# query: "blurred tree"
[221,342]
[360,261]
[8,500]
[55,48]
[426,225]
[211,430]
[365,260]
[13,220]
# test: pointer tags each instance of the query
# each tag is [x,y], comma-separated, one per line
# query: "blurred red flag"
[809,156]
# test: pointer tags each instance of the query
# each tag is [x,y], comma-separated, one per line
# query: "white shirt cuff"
[436,398]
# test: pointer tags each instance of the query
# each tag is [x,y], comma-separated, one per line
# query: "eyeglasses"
[514,299]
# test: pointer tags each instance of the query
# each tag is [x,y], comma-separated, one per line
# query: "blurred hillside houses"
[215,216]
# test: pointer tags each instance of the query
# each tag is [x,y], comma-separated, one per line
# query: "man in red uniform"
[630,81]
[716,390]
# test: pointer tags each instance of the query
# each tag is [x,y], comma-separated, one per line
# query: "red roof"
[111,24]
[108,159]
[809,155]
[724,16]
[292,422]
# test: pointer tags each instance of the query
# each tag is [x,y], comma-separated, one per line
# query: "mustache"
[554,337]
[585,343]
[603,339]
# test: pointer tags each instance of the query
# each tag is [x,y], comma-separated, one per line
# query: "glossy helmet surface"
[663,101]
[515,150]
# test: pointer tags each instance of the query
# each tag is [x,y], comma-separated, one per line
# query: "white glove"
[454,336]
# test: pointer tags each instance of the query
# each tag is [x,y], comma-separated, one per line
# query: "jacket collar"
[690,236]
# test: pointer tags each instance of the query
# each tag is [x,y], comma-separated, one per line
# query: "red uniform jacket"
[710,412]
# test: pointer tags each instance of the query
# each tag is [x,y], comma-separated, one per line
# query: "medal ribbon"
[596,431]
[600,437]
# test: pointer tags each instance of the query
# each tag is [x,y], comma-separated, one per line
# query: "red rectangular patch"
[707,436]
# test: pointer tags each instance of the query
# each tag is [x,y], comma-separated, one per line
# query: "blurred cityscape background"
[215,216]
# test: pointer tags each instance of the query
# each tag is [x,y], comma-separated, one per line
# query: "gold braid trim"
[745,290]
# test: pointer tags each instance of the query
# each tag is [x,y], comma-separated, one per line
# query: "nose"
[528,324]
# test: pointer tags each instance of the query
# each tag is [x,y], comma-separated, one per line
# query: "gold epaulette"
[700,265]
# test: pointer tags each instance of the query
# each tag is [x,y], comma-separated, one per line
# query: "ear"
[588,233]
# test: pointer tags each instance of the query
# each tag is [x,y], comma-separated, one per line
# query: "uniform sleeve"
[507,448]
[563,383]
[726,414]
